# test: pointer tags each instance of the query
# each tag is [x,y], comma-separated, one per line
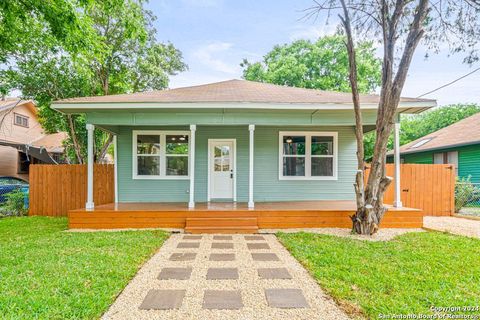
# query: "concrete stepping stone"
[222,299]
[191,237]
[175,273]
[222,274]
[163,299]
[258,246]
[286,298]
[188,245]
[265,257]
[222,257]
[222,238]
[254,238]
[222,245]
[183,256]
[274,273]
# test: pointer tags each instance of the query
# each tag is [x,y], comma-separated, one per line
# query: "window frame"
[27,118]
[163,155]
[308,154]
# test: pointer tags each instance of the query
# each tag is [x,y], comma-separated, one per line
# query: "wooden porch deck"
[233,217]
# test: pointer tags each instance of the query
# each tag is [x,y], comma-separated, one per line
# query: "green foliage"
[465,192]
[15,204]
[406,275]
[416,126]
[48,273]
[130,60]
[316,65]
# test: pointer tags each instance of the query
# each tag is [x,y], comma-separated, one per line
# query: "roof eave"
[456,145]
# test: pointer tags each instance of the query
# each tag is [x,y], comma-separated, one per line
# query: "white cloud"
[311,32]
[211,56]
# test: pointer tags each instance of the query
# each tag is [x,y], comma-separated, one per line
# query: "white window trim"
[308,157]
[163,155]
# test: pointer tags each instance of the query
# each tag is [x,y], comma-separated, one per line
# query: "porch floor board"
[269,215]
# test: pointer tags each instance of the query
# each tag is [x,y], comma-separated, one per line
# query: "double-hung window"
[160,154]
[308,155]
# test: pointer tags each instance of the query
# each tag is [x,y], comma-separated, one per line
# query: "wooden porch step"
[221,225]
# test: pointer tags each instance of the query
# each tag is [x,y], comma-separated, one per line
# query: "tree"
[63,20]
[419,125]
[131,60]
[322,64]
[399,25]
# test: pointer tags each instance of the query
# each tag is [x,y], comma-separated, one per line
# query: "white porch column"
[397,201]
[115,167]
[89,204]
[191,166]
[251,204]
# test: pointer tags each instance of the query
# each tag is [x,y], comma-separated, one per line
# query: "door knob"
[231,174]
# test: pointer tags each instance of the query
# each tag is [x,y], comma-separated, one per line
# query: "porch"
[233,217]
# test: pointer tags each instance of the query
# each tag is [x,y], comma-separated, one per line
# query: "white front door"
[221,169]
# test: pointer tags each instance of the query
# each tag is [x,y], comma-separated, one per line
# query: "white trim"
[191,165]
[307,155]
[230,105]
[251,129]
[209,169]
[115,166]
[396,137]
[90,133]
[162,134]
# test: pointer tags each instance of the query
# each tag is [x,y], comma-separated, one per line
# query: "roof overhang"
[404,107]
[39,153]
[456,145]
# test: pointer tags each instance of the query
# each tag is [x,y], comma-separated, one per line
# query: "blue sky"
[214,36]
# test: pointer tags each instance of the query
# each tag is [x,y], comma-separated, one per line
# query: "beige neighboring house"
[22,140]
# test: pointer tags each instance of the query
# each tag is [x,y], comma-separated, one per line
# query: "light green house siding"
[468,160]
[267,186]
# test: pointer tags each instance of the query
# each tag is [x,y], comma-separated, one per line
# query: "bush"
[15,204]
[465,192]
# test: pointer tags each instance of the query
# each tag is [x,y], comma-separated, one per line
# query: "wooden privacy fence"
[55,189]
[430,187]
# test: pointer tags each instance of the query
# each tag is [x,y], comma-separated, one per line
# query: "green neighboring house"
[235,141]
[457,144]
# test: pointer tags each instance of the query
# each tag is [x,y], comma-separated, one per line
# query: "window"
[446,158]
[160,154]
[20,120]
[420,143]
[308,155]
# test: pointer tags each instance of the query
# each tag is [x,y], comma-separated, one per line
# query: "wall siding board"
[267,186]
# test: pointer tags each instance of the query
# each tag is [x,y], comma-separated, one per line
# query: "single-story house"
[22,140]
[457,144]
[232,144]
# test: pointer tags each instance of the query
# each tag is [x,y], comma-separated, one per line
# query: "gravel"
[381,235]
[459,226]
[252,288]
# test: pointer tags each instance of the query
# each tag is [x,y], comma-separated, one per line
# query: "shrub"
[15,204]
[465,191]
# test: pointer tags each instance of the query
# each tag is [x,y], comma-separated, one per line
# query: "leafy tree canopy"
[322,64]
[413,127]
[130,60]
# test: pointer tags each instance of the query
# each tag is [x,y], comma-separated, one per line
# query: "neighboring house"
[233,141]
[22,141]
[457,144]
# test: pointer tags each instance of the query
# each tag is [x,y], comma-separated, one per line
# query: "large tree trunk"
[369,196]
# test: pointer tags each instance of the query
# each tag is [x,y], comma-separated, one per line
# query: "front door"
[221,169]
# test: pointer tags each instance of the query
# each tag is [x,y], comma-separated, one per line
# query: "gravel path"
[463,227]
[381,235]
[250,296]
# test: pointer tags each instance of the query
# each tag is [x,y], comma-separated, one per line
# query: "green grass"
[46,273]
[406,275]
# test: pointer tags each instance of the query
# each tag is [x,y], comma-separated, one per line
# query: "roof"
[10,103]
[239,91]
[51,142]
[463,132]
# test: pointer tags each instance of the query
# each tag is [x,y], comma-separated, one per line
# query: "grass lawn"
[406,275]
[49,274]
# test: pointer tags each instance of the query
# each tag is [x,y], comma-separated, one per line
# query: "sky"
[215,35]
